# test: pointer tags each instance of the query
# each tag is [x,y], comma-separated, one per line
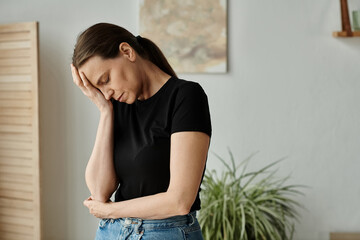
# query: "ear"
[127,51]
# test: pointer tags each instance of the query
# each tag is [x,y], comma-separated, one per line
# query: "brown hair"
[103,39]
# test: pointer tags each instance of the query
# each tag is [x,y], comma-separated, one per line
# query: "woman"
[152,140]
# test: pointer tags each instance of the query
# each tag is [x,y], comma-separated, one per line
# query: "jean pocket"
[189,228]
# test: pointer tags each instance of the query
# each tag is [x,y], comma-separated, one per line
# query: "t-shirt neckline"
[154,96]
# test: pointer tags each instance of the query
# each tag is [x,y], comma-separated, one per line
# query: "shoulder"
[187,88]
[182,83]
[190,109]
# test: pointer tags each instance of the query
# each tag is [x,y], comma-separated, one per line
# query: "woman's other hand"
[97,208]
[95,95]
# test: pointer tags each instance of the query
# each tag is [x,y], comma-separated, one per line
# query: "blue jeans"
[181,227]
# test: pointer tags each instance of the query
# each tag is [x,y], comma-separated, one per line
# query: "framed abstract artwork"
[191,33]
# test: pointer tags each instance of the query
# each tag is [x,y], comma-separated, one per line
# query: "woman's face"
[117,77]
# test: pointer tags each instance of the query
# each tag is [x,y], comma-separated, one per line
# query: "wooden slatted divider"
[20,216]
[344,236]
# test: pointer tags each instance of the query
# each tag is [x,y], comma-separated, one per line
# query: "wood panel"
[14,95]
[4,62]
[15,144]
[16,86]
[15,120]
[13,228]
[19,133]
[15,153]
[19,178]
[15,161]
[17,220]
[15,53]
[15,44]
[15,236]
[16,112]
[8,168]
[344,236]
[20,137]
[15,70]
[10,103]
[24,195]
[15,129]
[13,36]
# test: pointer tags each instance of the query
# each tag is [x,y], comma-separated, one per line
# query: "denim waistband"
[174,221]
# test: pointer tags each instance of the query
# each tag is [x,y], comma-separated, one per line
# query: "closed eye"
[107,81]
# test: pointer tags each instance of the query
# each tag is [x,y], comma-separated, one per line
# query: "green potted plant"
[249,205]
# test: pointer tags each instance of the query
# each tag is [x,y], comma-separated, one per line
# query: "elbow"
[101,192]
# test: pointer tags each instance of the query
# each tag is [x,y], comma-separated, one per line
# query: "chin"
[129,101]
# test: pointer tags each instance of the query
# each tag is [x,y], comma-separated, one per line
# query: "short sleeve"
[191,110]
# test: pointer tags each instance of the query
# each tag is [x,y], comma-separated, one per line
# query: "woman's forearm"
[100,174]
[157,206]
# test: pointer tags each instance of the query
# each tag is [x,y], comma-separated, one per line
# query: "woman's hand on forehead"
[95,95]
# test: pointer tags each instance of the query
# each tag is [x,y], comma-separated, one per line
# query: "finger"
[76,78]
[83,83]
[86,82]
[93,91]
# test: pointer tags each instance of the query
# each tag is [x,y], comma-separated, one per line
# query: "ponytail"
[155,55]
[103,39]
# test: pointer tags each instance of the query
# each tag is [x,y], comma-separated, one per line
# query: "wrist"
[110,210]
[106,111]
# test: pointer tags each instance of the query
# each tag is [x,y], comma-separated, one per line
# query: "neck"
[153,78]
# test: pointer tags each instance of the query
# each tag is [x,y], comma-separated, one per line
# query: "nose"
[108,94]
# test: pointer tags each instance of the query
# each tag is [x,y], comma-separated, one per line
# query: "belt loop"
[138,225]
[191,214]
[127,222]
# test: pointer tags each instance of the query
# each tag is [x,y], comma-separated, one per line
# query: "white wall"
[292,90]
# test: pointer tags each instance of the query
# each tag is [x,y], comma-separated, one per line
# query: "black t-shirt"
[142,133]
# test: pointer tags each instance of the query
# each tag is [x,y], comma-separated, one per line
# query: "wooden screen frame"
[19,80]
